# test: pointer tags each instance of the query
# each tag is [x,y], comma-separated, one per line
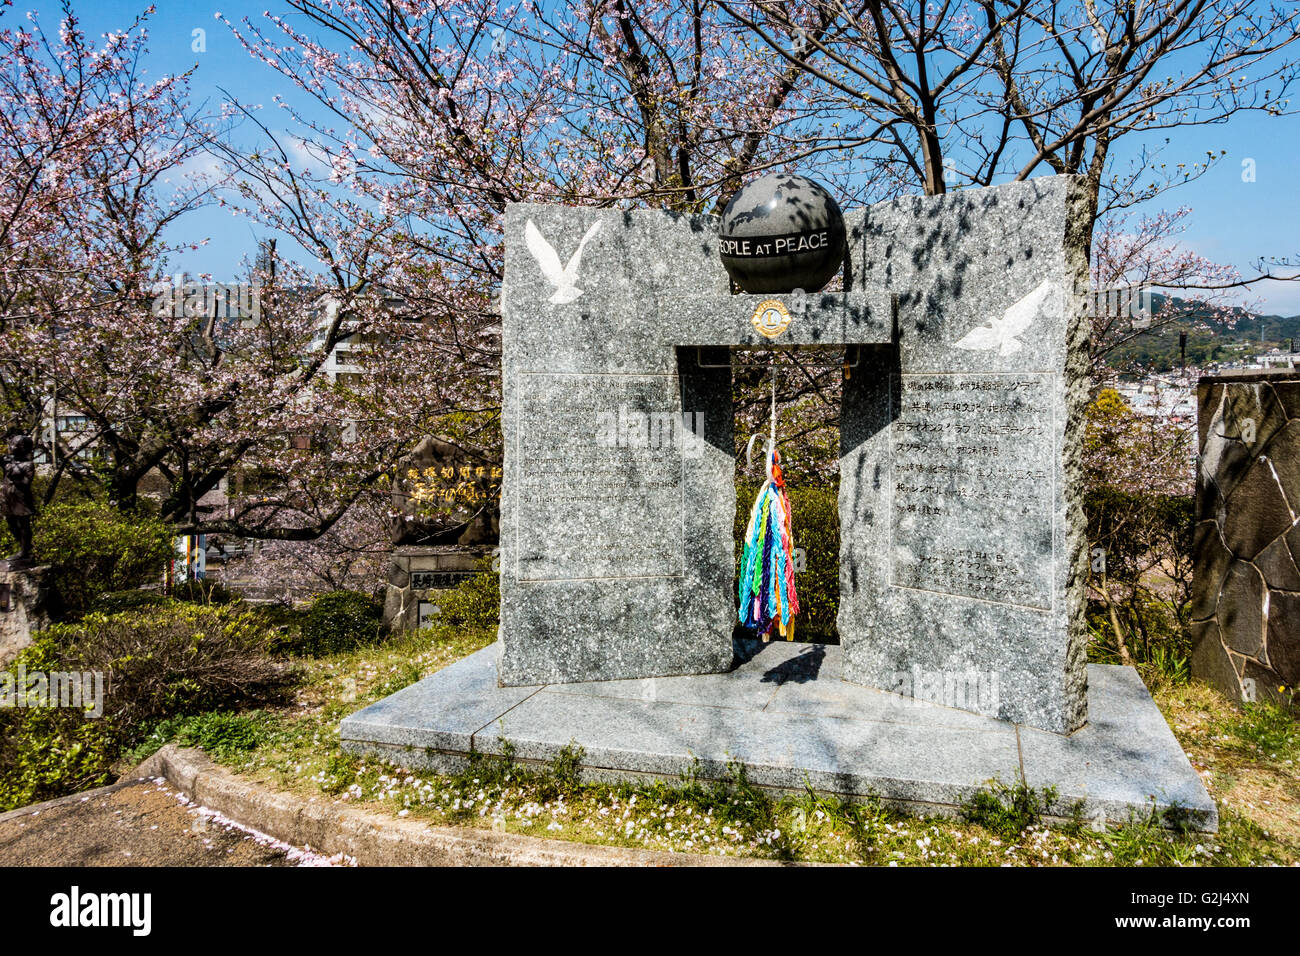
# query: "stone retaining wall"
[1246,590]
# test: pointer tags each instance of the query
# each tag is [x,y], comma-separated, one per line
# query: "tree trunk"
[1114,622]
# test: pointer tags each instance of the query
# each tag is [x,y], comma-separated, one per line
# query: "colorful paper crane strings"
[767,594]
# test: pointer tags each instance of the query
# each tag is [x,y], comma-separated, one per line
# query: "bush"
[219,733]
[816,526]
[339,621]
[49,752]
[94,548]
[204,592]
[474,604]
[159,662]
[1141,591]
[115,602]
[193,592]
[175,659]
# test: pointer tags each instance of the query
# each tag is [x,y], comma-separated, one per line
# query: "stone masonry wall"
[1246,589]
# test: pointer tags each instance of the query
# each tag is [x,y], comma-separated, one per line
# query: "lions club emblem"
[771,318]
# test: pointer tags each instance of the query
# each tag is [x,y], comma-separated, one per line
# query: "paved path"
[145,823]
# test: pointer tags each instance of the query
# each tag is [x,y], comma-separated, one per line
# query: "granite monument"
[961,525]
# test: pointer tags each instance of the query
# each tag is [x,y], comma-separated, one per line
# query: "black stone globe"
[780,233]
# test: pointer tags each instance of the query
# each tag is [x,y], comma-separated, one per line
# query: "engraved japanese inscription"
[600,463]
[969,453]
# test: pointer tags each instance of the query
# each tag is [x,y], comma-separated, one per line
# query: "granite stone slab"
[441,712]
[768,664]
[1124,762]
[920,762]
[704,690]
[961,541]
[842,700]
[962,545]
[782,714]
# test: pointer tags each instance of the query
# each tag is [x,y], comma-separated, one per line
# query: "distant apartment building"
[1278,359]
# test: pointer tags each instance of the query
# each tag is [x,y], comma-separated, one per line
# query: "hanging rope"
[767,594]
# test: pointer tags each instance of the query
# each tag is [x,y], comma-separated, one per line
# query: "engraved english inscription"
[599,460]
[972,483]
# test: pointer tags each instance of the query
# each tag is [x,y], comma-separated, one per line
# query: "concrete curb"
[374,839]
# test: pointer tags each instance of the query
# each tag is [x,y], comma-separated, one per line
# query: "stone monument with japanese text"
[445,516]
[962,546]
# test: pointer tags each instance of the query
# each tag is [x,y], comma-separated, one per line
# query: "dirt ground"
[143,824]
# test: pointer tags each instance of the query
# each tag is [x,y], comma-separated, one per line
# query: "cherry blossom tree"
[450,111]
[414,123]
[178,391]
[79,130]
[352,555]
[988,91]
[439,114]
[1133,257]
[1137,469]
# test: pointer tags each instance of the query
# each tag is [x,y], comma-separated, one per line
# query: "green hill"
[1242,336]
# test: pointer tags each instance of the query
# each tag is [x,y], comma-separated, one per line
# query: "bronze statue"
[16,500]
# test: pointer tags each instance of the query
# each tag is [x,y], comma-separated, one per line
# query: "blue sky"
[1233,220]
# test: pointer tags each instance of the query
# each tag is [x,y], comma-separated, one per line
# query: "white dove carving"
[562,277]
[1001,333]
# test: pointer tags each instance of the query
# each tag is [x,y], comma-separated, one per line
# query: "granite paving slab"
[919,763]
[441,712]
[1125,761]
[784,715]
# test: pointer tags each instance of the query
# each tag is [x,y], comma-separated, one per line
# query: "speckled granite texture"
[962,538]
[961,534]
[786,714]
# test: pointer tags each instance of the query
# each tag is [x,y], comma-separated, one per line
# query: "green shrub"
[49,752]
[1140,549]
[474,604]
[175,659]
[159,662]
[219,733]
[339,621]
[96,548]
[282,623]
[1132,527]
[114,602]
[815,520]
[204,592]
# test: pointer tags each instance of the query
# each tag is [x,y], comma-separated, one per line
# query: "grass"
[1247,760]
[223,735]
[1008,810]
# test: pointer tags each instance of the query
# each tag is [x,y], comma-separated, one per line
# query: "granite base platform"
[786,716]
